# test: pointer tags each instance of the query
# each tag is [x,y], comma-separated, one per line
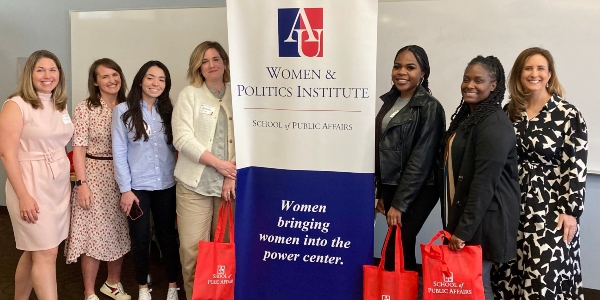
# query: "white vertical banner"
[303,85]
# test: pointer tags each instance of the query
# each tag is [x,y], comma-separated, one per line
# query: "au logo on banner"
[300,32]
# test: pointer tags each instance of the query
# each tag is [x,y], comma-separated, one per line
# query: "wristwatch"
[79,182]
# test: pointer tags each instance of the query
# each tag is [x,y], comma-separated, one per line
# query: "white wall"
[30,25]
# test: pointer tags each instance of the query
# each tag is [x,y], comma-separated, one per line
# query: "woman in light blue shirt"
[144,163]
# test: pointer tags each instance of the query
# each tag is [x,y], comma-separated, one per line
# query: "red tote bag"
[379,284]
[451,275]
[215,268]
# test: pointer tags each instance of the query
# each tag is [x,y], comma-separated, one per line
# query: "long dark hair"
[94,91]
[487,106]
[423,61]
[163,104]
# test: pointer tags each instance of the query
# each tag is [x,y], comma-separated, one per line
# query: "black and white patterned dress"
[552,150]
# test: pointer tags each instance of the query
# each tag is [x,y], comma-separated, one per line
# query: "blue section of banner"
[332,211]
[287,29]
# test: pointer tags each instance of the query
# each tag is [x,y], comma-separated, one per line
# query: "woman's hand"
[227,169]
[127,200]
[83,196]
[569,224]
[394,217]
[455,243]
[224,167]
[228,192]
[29,209]
[379,207]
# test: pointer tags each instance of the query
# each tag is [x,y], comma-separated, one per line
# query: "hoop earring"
[421,82]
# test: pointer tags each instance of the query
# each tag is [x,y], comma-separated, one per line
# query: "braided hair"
[423,61]
[487,106]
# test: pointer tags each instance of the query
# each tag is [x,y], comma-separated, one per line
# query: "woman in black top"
[409,127]
[481,195]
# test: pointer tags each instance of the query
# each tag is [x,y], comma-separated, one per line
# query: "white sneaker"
[116,292]
[144,294]
[92,297]
[172,294]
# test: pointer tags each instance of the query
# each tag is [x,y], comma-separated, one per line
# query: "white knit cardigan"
[194,129]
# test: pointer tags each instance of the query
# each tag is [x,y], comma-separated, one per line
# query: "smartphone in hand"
[135,212]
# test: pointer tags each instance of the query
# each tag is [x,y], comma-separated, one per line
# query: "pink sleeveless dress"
[45,168]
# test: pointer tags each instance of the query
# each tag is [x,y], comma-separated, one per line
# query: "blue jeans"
[161,204]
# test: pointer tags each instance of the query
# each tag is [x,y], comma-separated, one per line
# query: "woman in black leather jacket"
[408,129]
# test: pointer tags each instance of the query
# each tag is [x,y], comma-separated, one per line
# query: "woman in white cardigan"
[203,134]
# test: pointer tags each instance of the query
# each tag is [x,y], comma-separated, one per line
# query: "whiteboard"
[454,32]
[133,37]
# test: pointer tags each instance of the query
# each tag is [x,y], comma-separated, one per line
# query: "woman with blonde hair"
[203,135]
[552,147]
[35,127]
[99,229]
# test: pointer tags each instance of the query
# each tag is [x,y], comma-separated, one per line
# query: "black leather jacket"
[408,147]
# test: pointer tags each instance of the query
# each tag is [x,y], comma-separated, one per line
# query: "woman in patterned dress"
[35,127]
[99,229]
[552,146]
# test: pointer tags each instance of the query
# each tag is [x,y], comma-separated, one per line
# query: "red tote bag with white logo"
[451,275]
[215,269]
[379,284]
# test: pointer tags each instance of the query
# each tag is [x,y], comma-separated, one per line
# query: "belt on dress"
[98,157]
[51,157]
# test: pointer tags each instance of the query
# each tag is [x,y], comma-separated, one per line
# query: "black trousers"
[412,222]
[161,204]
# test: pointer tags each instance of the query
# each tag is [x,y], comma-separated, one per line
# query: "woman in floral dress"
[99,229]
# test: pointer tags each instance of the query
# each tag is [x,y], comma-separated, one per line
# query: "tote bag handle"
[433,252]
[225,213]
[399,253]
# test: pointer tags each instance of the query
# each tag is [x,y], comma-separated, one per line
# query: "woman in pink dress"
[99,230]
[35,127]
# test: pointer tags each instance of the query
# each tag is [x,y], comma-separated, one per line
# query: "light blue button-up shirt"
[141,165]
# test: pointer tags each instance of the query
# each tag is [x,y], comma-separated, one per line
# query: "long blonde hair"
[194,74]
[518,93]
[28,92]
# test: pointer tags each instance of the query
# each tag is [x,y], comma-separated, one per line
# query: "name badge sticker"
[66,119]
[207,109]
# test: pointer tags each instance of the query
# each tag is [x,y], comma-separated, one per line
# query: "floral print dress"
[101,232]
